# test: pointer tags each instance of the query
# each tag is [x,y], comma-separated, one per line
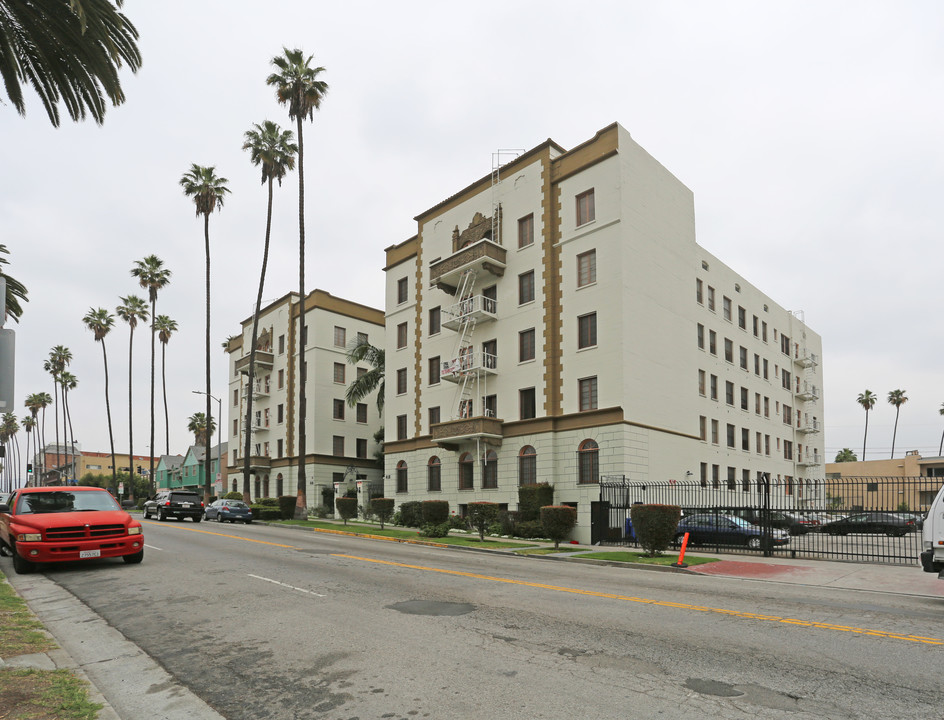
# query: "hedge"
[347,508]
[265,512]
[654,526]
[481,515]
[287,505]
[557,522]
[531,498]
[382,508]
[233,496]
[435,512]
[411,514]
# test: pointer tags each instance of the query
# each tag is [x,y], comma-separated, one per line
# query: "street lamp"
[219,432]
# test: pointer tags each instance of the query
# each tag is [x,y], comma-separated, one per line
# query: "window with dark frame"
[340,336]
[362,412]
[337,445]
[526,345]
[401,427]
[434,475]
[526,287]
[526,404]
[434,416]
[586,331]
[434,369]
[401,335]
[402,479]
[361,444]
[526,231]
[586,268]
[401,381]
[588,463]
[587,388]
[402,289]
[338,409]
[339,372]
[466,470]
[434,320]
[527,466]
[586,210]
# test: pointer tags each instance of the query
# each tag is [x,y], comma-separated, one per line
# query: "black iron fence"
[866,519]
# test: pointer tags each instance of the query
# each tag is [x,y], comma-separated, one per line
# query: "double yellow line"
[660,603]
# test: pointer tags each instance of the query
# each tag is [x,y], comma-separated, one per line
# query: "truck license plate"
[186,505]
[90,553]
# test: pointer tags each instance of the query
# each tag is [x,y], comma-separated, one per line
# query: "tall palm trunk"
[865,438]
[301,504]
[153,295]
[252,348]
[206,455]
[895,431]
[131,413]
[71,437]
[111,436]
[55,400]
[164,386]
[43,444]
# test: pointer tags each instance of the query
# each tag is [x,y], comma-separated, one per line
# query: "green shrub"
[411,514]
[265,512]
[481,515]
[327,496]
[267,502]
[435,512]
[233,496]
[434,531]
[347,508]
[655,526]
[320,512]
[383,509]
[557,522]
[457,522]
[529,529]
[287,505]
[531,498]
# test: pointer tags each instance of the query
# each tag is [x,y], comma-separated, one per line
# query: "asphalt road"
[264,622]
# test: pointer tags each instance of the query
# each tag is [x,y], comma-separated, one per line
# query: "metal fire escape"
[464,355]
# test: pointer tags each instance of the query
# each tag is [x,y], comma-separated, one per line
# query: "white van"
[932,537]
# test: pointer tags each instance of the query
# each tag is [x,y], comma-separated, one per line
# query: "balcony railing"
[811,426]
[809,458]
[477,364]
[806,359]
[478,308]
[483,255]
[263,362]
[808,391]
[453,432]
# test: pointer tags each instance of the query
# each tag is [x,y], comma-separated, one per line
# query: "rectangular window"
[585,207]
[742,318]
[701,336]
[785,345]
[402,291]
[756,324]
[728,350]
[434,368]
[281,344]
[766,369]
[732,478]
[490,405]
[787,415]
[726,308]
[745,439]
[434,416]
[361,414]
[340,336]
[338,409]
[730,435]
[763,331]
[699,291]
[235,398]
[281,379]
[305,336]
[526,287]
[586,331]
[280,413]
[703,474]
[526,406]
[702,427]
[434,477]
[767,445]
[766,407]
[787,450]
[711,298]
[434,320]
[757,441]
[586,268]
[702,375]
[742,357]
[339,372]
[337,445]
[744,398]
[715,476]
[714,387]
[361,444]
[757,364]
[729,392]
[785,379]
[712,342]
[526,345]
[714,432]
[588,393]
[361,338]
[526,231]
[280,447]
[401,381]
[757,403]
[401,336]
[235,427]
[401,427]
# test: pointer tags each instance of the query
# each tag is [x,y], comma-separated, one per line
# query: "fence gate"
[863,519]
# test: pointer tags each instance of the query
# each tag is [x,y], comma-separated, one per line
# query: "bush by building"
[347,508]
[383,509]
[435,512]
[481,515]
[557,521]
[531,498]
[655,526]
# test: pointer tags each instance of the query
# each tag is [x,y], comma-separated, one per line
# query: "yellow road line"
[232,537]
[659,603]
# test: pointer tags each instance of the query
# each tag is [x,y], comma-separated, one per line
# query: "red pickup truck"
[61,524]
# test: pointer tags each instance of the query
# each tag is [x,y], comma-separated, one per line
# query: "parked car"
[779,520]
[709,529]
[228,511]
[872,523]
[178,504]
[58,524]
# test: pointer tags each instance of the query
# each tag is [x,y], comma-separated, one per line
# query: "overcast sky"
[809,132]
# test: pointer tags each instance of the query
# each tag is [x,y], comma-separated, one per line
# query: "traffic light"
[29,468]
[139,470]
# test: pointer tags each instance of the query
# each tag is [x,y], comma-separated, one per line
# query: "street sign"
[121,488]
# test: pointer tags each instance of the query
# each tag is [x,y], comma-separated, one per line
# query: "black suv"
[175,503]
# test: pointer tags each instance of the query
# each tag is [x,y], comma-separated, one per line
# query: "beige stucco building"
[556,321]
[910,482]
[340,443]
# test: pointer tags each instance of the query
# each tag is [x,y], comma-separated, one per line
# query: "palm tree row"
[11,446]
[896,398]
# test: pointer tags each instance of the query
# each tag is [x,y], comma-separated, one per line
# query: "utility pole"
[7,346]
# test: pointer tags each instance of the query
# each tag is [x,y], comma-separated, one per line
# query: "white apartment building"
[556,321]
[339,442]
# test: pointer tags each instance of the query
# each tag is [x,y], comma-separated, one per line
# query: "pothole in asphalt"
[431,607]
[712,687]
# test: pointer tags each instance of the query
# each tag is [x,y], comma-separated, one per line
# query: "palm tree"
[208,191]
[201,429]
[373,379]
[100,322]
[8,429]
[153,276]
[59,358]
[44,400]
[68,382]
[15,289]
[165,328]
[29,424]
[131,310]
[34,403]
[66,50]
[297,85]
[867,401]
[273,149]
[896,398]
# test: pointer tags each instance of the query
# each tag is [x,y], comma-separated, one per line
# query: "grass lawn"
[27,694]
[470,540]
[548,551]
[640,558]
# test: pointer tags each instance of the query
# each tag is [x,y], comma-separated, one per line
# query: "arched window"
[265,486]
[527,466]
[401,477]
[434,474]
[279,485]
[258,488]
[235,487]
[588,462]
[490,470]
[465,471]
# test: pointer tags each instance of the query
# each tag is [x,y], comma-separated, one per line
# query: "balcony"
[453,432]
[263,362]
[809,459]
[260,425]
[475,364]
[806,359]
[484,256]
[808,391]
[812,426]
[478,308]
